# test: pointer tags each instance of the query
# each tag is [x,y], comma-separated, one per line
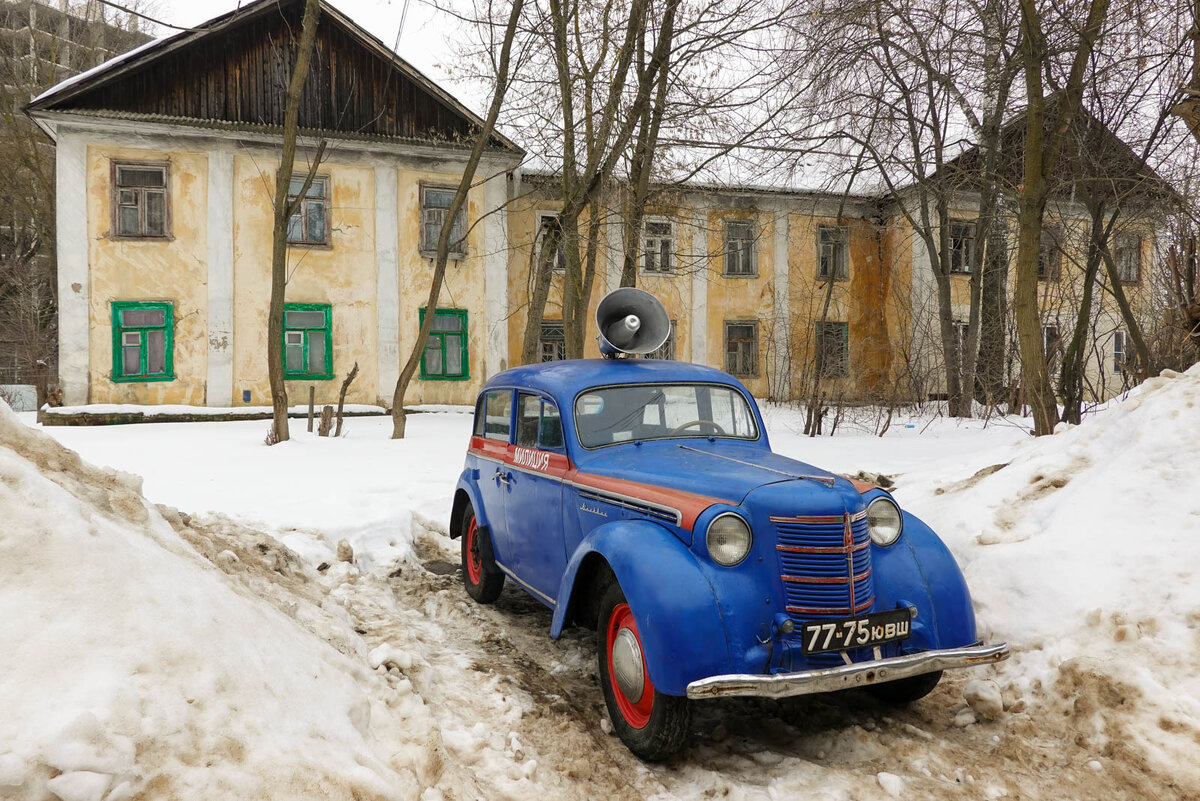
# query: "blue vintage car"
[642,499]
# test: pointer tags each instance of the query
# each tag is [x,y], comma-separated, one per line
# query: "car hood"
[720,469]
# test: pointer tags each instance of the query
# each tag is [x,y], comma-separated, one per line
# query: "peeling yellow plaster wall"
[173,269]
[464,287]
[522,229]
[741,298]
[342,275]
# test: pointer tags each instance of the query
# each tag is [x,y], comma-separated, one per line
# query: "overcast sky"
[422,42]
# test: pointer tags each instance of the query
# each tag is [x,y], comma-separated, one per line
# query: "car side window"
[538,423]
[550,431]
[528,410]
[496,420]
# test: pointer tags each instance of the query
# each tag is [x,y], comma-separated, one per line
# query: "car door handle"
[501,477]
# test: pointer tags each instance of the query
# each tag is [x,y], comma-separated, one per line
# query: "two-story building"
[166,159]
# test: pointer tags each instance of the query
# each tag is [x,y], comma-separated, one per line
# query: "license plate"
[856,632]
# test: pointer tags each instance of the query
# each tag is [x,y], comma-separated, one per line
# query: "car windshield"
[608,415]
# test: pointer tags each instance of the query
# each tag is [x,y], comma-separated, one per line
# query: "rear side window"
[538,423]
[493,417]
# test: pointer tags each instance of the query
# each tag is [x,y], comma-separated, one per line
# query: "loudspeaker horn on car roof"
[631,322]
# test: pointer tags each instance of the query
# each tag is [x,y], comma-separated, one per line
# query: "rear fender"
[465,492]
[673,603]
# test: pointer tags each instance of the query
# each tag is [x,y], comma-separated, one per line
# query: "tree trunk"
[542,273]
[399,417]
[1041,154]
[1071,372]
[283,212]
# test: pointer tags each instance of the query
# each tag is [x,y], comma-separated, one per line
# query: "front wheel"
[652,725]
[905,691]
[481,576]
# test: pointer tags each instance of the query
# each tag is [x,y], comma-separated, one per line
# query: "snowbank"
[1083,551]
[134,668]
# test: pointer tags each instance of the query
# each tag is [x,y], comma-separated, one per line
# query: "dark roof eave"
[120,65]
[268,130]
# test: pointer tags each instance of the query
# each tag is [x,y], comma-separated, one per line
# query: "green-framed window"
[445,356]
[308,341]
[143,341]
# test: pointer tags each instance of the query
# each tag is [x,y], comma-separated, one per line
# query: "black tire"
[481,576]
[654,726]
[904,691]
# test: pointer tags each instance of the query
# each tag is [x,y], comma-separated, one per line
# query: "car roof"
[566,379]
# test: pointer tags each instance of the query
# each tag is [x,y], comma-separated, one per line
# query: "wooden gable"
[235,70]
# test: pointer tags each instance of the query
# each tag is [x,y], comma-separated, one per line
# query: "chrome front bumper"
[844,677]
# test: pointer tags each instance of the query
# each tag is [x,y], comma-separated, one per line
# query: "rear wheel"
[905,691]
[652,725]
[481,576]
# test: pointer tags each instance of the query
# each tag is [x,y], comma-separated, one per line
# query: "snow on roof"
[106,66]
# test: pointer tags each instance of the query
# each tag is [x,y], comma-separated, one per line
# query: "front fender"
[920,570]
[676,610]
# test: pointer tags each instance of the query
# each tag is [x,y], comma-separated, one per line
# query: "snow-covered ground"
[380,678]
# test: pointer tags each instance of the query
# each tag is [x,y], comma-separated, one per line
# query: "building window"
[1051,343]
[667,349]
[833,257]
[308,341]
[143,341]
[739,248]
[558,260]
[962,246]
[1120,343]
[1049,255]
[960,334]
[552,345]
[741,347]
[141,206]
[445,356]
[1128,255]
[310,224]
[657,246]
[833,350]
[435,205]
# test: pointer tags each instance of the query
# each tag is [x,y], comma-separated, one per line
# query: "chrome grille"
[825,565]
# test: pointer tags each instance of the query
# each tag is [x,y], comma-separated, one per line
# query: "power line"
[128,10]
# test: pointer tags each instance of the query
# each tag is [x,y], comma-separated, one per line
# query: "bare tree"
[1044,140]
[482,138]
[284,209]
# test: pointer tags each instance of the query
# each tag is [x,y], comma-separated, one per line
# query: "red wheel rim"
[636,713]
[474,562]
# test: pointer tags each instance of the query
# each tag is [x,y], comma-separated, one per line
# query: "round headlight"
[728,539]
[884,520]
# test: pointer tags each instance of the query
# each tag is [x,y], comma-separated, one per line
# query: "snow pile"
[309,492]
[1083,551]
[134,668]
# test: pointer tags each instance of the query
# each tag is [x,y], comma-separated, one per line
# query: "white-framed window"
[962,245]
[1127,253]
[741,347]
[558,261]
[740,238]
[667,349]
[552,344]
[833,349]
[833,252]
[1120,342]
[435,205]
[658,246]
[310,224]
[141,207]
